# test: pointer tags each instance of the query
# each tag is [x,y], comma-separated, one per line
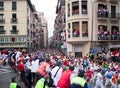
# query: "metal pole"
[91,43]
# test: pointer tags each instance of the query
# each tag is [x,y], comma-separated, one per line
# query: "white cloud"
[49,8]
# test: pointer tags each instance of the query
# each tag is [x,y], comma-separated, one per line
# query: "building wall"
[76,17]
[23,15]
[44,26]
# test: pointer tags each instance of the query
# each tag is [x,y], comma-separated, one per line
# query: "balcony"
[112,1]
[2,31]
[14,20]
[14,31]
[113,37]
[75,12]
[2,20]
[101,0]
[114,16]
[102,16]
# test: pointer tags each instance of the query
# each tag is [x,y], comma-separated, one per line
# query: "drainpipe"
[91,44]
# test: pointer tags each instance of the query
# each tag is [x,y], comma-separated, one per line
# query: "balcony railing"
[14,20]
[102,14]
[101,0]
[112,1]
[2,31]
[114,15]
[109,37]
[14,31]
[105,15]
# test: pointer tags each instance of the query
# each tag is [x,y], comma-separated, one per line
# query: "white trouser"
[114,85]
[99,85]
[107,81]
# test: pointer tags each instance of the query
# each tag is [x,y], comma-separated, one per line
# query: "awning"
[114,46]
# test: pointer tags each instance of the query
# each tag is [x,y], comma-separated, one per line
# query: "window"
[84,29]
[75,8]
[1,17]
[68,10]
[102,10]
[103,33]
[2,40]
[1,6]
[14,28]
[62,2]
[14,17]
[19,39]
[7,39]
[115,32]
[68,30]
[84,7]
[14,6]
[13,39]
[1,28]
[75,29]
[113,11]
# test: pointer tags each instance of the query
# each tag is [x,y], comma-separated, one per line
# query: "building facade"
[15,23]
[20,25]
[92,25]
[60,28]
[44,31]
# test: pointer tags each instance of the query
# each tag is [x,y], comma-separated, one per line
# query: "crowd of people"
[52,69]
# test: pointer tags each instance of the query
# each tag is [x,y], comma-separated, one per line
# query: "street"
[5,77]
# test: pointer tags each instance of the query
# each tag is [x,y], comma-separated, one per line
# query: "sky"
[49,9]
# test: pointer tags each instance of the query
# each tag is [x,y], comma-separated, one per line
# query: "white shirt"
[58,75]
[35,65]
[99,78]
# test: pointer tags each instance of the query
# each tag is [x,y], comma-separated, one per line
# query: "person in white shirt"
[34,67]
[99,79]
[57,72]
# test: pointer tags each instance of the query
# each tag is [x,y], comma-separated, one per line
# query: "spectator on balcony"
[100,12]
[106,11]
[118,35]
[84,11]
[114,34]
[76,11]
[100,34]
[85,34]
[106,34]
[76,33]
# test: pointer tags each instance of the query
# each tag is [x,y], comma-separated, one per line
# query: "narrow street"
[5,77]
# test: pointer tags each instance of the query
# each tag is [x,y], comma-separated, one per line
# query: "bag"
[56,72]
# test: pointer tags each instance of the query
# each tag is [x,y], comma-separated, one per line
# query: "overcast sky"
[49,9]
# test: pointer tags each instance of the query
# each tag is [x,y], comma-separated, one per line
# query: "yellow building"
[92,25]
